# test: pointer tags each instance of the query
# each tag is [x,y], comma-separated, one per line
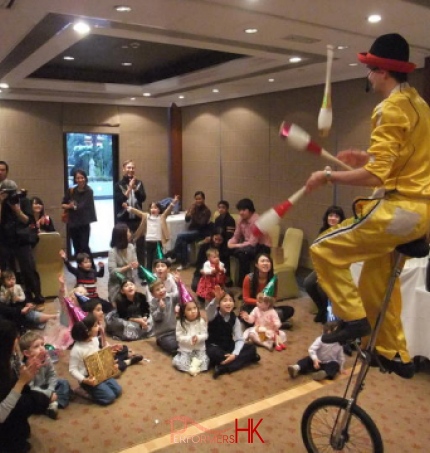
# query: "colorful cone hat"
[269,289]
[185,295]
[159,253]
[144,274]
[121,277]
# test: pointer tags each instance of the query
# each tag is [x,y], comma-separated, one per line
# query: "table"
[416,305]
[176,224]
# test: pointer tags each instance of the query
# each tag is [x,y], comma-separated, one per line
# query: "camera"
[15,195]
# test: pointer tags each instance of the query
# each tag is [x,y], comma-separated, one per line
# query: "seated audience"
[244,245]
[198,217]
[225,345]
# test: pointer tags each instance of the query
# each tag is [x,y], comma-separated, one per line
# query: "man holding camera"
[130,192]
[14,235]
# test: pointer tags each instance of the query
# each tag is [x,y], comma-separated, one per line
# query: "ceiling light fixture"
[181,96]
[147,95]
[341,47]
[215,90]
[295,60]
[122,9]
[126,63]
[353,64]
[271,80]
[82,28]
[374,18]
[68,58]
[4,85]
[132,99]
[251,31]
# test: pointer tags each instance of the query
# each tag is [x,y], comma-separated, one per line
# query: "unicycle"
[332,423]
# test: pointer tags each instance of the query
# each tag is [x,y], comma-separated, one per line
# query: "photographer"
[15,210]
[130,192]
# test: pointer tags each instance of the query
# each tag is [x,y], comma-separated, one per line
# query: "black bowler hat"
[389,52]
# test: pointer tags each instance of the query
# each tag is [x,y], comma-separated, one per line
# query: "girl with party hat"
[266,323]
[191,335]
[153,226]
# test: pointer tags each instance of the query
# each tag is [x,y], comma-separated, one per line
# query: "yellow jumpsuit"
[400,157]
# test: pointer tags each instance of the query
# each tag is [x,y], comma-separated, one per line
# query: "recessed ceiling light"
[132,99]
[374,18]
[294,59]
[4,85]
[271,80]
[251,31]
[122,9]
[126,63]
[147,95]
[353,64]
[341,47]
[68,58]
[81,27]
[215,90]
[181,97]
[0,91]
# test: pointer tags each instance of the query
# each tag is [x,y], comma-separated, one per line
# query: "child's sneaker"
[293,371]
[52,411]
[319,375]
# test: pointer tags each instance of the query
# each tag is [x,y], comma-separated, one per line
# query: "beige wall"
[231,149]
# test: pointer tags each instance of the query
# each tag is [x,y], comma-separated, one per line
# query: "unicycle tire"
[318,423]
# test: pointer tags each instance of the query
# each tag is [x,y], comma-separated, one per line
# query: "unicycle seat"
[419,248]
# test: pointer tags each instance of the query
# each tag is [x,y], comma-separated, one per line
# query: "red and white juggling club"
[273,216]
[299,139]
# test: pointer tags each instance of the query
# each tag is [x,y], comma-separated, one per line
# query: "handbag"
[65,216]
[65,213]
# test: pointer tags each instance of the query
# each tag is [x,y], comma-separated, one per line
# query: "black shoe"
[135,359]
[256,358]
[404,370]
[347,349]
[218,370]
[348,331]
[320,317]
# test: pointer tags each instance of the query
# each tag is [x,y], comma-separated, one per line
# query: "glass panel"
[95,154]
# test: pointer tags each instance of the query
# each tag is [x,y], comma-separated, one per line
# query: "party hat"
[144,274]
[159,253]
[185,295]
[121,277]
[269,289]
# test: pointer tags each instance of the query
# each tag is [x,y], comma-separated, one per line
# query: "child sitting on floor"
[163,314]
[191,334]
[213,274]
[131,320]
[324,360]
[45,381]
[162,268]
[265,331]
[12,295]
[86,276]
[225,346]
[122,353]
[86,343]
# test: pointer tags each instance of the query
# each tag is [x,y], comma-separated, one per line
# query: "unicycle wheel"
[318,426]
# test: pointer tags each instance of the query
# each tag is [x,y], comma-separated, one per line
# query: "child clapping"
[191,334]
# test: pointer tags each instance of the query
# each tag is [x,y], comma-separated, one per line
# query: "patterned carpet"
[154,394]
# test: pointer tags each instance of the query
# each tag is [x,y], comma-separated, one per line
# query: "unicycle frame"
[340,429]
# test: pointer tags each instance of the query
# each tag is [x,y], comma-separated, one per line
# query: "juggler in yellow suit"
[399,213]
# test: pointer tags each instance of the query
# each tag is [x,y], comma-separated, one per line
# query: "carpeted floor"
[156,398]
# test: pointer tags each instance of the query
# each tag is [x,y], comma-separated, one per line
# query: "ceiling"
[181,50]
